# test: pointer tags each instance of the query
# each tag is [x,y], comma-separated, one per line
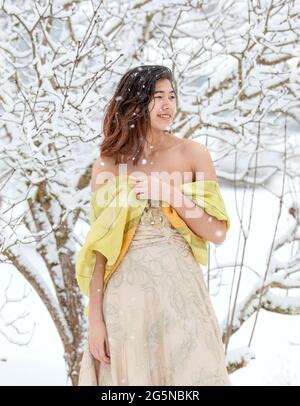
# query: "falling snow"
[236,107]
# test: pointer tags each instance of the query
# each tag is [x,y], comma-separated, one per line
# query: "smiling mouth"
[165,116]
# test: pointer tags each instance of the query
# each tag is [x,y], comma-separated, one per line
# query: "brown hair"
[126,116]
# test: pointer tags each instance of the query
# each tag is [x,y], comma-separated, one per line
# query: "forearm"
[202,224]
[96,290]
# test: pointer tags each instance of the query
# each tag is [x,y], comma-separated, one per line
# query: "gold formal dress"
[161,325]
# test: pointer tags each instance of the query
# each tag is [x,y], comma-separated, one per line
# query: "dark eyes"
[159,97]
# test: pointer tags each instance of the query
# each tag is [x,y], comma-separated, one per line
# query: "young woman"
[150,318]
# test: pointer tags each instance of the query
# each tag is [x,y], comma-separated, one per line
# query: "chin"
[164,128]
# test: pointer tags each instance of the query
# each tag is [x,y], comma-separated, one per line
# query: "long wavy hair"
[126,116]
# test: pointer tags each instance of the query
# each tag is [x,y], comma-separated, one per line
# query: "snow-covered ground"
[40,362]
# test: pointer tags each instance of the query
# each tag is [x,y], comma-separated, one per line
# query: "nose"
[165,106]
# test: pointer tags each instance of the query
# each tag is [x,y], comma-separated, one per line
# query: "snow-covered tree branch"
[9,328]
[236,67]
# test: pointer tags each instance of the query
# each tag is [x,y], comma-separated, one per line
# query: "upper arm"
[201,162]
[203,168]
[98,177]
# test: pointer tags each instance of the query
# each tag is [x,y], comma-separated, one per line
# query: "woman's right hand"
[98,341]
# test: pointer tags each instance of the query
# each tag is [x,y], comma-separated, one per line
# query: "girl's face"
[162,107]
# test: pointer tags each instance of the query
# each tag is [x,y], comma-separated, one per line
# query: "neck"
[154,140]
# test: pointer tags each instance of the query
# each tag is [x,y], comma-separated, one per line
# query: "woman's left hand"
[152,187]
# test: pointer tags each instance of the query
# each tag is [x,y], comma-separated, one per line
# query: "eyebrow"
[162,91]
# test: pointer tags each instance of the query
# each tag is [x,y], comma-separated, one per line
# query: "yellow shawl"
[114,216]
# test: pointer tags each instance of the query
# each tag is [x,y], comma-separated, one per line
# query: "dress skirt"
[161,325]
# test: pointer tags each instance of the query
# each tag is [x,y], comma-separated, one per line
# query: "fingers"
[139,195]
[104,350]
[139,191]
[140,187]
[106,345]
[101,352]
[95,353]
[104,353]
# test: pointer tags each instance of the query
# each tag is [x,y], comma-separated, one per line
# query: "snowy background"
[236,67]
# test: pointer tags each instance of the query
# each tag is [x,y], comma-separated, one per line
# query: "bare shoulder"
[175,141]
[195,148]
[101,171]
[200,159]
